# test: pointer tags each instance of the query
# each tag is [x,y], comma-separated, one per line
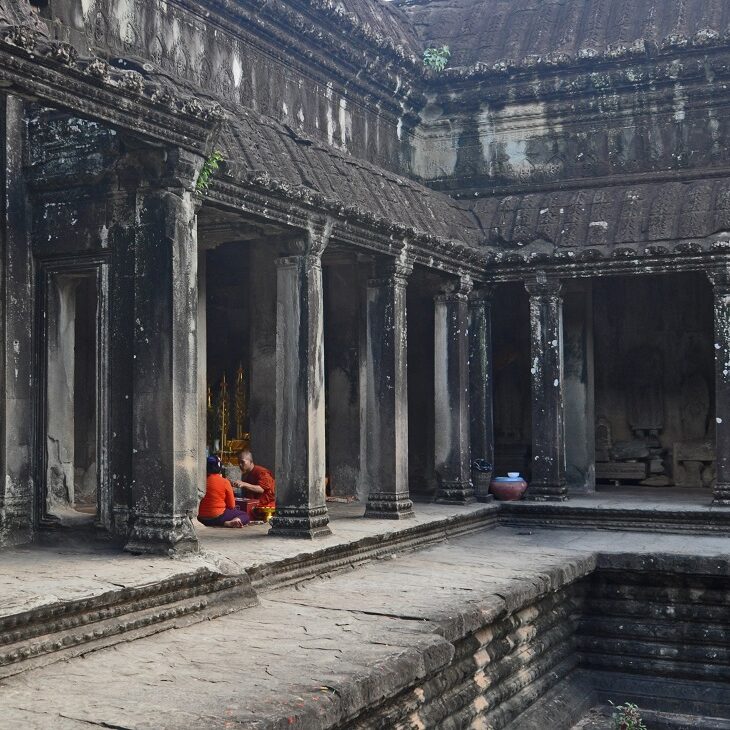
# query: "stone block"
[634,470]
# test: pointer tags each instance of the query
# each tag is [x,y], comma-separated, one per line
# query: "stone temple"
[269,223]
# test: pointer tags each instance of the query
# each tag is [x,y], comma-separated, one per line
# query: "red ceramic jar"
[508,489]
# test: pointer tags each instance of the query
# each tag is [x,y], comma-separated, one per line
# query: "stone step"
[629,518]
[69,628]
[280,573]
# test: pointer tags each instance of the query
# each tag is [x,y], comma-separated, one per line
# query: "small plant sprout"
[436,58]
[627,717]
[210,166]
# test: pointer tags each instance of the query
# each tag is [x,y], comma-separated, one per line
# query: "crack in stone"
[401,617]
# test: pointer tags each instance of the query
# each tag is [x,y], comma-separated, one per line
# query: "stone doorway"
[72,443]
[655,384]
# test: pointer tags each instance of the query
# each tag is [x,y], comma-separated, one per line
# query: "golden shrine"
[219,420]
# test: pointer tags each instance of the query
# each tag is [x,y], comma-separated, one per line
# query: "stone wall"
[654,362]
[655,632]
[286,62]
[646,629]
[590,121]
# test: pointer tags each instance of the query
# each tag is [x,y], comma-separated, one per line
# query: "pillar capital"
[311,242]
[544,286]
[389,269]
[720,277]
[178,168]
[482,293]
[456,288]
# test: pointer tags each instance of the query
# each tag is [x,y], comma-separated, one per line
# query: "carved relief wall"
[239,60]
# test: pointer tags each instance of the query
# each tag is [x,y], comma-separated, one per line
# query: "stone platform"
[442,632]
[62,602]
[668,510]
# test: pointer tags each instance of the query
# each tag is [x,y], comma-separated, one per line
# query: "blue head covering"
[213,464]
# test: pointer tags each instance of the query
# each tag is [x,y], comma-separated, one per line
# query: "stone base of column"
[721,496]
[303,522]
[455,492]
[154,534]
[389,506]
[546,493]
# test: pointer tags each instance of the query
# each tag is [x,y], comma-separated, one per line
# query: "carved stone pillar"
[481,401]
[386,394]
[720,280]
[301,509]
[451,381]
[165,461]
[546,358]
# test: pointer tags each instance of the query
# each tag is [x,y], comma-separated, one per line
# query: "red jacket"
[218,496]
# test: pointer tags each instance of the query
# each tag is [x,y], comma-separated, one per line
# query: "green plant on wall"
[210,166]
[627,717]
[436,58]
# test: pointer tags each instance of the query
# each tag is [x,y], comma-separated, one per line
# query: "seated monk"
[257,482]
[218,507]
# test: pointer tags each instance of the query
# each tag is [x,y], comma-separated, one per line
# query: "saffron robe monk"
[257,482]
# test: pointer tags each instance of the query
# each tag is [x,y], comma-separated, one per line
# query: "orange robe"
[260,476]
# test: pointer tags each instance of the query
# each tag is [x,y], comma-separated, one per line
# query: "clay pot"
[508,489]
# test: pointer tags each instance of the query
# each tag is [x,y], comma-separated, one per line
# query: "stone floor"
[35,576]
[309,654]
[657,498]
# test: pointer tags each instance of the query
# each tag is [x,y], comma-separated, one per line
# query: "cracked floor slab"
[307,652]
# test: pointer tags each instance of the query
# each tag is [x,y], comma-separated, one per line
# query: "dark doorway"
[71,440]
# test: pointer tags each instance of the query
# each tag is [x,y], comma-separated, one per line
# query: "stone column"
[546,358]
[386,394]
[18,380]
[579,389]
[720,280]
[481,416]
[451,381]
[301,509]
[165,461]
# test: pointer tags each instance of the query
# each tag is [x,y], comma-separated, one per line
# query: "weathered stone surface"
[413,637]
[548,427]
[300,392]
[451,392]
[385,447]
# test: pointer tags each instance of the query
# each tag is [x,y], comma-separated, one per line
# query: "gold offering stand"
[219,419]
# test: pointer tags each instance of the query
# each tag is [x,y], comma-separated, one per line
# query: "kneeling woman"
[218,507]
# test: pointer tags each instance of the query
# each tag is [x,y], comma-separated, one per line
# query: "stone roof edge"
[641,48]
[539,252]
[146,107]
[453,254]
